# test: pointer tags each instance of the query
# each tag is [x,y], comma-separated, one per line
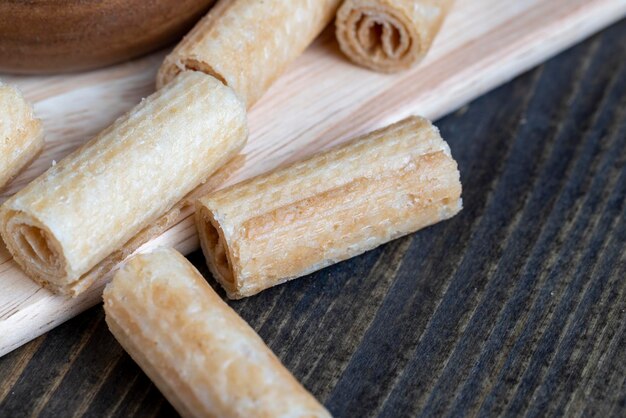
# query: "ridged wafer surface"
[204,358]
[21,134]
[335,205]
[71,218]
[248,43]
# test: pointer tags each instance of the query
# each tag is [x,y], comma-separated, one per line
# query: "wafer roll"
[389,35]
[175,215]
[203,357]
[306,216]
[248,43]
[21,134]
[64,224]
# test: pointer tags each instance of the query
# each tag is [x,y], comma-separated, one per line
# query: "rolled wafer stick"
[181,210]
[67,226]
[248,43]
[389,35]
[21,134]
[335,205]
[203,357]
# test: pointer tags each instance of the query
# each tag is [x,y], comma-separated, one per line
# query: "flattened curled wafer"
[389,35]
[248,43]
[92,206]
[335,205]
[21,134]
[203,357]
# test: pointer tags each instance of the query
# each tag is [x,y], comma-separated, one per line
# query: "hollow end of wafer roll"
[216,249]
[388,36]
[171,68]
[41,256]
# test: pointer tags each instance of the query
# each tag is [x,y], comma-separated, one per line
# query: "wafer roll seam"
[333,206]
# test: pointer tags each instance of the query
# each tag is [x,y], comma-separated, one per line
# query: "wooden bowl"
[48,36]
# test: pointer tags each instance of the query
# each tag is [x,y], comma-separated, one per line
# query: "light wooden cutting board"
[320,101]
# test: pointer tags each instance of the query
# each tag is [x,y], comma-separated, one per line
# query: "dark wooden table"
[516,306]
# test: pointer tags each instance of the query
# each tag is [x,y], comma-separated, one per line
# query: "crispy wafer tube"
[183,208]
[389,35]
[21,134]
[90,205]
[306,216]
[248,43]
[203,357]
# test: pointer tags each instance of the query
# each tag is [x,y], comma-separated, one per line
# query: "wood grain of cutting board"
[320,101]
